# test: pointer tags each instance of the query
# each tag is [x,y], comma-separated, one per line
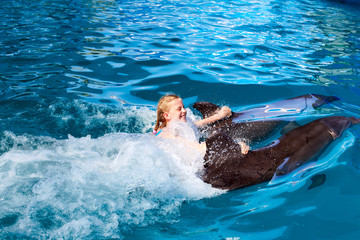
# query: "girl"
[171,109]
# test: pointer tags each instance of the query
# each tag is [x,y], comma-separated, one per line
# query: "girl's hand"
[244,148]
[224,112]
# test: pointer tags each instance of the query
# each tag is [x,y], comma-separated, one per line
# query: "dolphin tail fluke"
[322,99]
[205,108]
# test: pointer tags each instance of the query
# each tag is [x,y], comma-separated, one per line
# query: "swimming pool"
[79,85]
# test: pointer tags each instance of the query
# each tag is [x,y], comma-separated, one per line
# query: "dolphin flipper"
[317,180]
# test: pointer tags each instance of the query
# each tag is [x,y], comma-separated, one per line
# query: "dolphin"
[256,124]
[225,167]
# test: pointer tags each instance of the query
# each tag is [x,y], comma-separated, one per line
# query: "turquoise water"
[79,85]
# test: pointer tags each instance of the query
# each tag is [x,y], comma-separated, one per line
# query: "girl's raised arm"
[223,113]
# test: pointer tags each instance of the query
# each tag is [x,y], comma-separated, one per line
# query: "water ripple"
[118,54]
[231,42]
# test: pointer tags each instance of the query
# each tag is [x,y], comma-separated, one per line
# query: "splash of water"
[84,187]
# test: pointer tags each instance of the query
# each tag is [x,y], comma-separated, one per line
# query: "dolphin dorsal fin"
[205,108]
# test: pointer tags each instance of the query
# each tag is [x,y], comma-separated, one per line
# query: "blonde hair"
[163,106]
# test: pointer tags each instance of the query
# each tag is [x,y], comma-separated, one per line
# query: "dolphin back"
[227,168]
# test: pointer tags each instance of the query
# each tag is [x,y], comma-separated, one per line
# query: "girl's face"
[176,111]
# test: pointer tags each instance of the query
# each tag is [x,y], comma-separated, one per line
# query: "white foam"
[92,116]
[63,188]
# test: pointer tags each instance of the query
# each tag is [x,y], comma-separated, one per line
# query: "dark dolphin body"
[227,168]
[258,123]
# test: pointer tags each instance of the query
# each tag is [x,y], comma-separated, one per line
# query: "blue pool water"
[79,85]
